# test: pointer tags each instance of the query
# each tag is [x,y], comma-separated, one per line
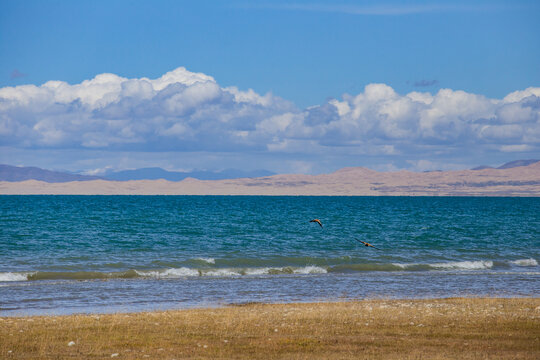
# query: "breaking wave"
[525,262]
[13,276]
[461,265]
[173,273]
[206,260]
[206,268]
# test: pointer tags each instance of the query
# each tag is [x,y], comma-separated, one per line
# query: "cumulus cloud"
[186,111]
[180,110]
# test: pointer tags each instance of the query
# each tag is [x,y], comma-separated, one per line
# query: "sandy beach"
[458,328]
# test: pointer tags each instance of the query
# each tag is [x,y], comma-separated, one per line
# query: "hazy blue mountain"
[19,173]
[517,163]
[508,165]
[159,173]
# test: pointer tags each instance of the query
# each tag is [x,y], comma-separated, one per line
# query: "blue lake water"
[70,254]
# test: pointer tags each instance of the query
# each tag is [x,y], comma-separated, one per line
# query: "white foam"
[466,265]
[463,265]
[525,262]
[261,271]
[169,273]
[404,266]
[535,273]
[11,276]
[222,272]
[227,272]
[206,260]
[181,272]
[310,270]
[148,273]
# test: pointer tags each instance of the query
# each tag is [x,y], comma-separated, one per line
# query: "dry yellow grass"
[372,329]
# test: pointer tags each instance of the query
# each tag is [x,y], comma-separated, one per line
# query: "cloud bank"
[187,112]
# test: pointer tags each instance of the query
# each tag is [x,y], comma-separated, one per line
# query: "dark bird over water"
[316,221]
[367,244]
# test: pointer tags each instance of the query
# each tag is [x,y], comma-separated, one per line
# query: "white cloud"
[301,167]
[250,96]
[519,95]
[427,165]
[515,113]
[184,111]
[111,111]
[516,148]
[98,171]
[275,124]
[502,132]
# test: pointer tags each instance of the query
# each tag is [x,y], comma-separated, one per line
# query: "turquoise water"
[65,254]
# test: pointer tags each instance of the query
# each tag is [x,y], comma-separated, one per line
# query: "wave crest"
[206,260]
[171,273]
[13,276]
[465,265]
[211,271]
[525,262]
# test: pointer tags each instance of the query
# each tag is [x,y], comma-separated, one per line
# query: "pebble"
[71,343]
[114,355]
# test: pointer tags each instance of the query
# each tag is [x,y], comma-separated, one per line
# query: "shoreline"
[465,328]
[208,306]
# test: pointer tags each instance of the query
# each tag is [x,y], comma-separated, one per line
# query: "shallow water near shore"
[70,254]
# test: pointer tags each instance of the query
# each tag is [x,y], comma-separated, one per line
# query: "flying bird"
[316,221]
[367,244]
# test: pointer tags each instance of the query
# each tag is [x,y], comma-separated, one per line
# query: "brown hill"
[516,181]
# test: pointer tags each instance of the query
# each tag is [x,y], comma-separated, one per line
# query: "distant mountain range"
[354,181]
[508,165]
[17,173]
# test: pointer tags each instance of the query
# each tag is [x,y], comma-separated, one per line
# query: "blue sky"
[313,60]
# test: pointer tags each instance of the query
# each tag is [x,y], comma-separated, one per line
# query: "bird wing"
[367,244]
